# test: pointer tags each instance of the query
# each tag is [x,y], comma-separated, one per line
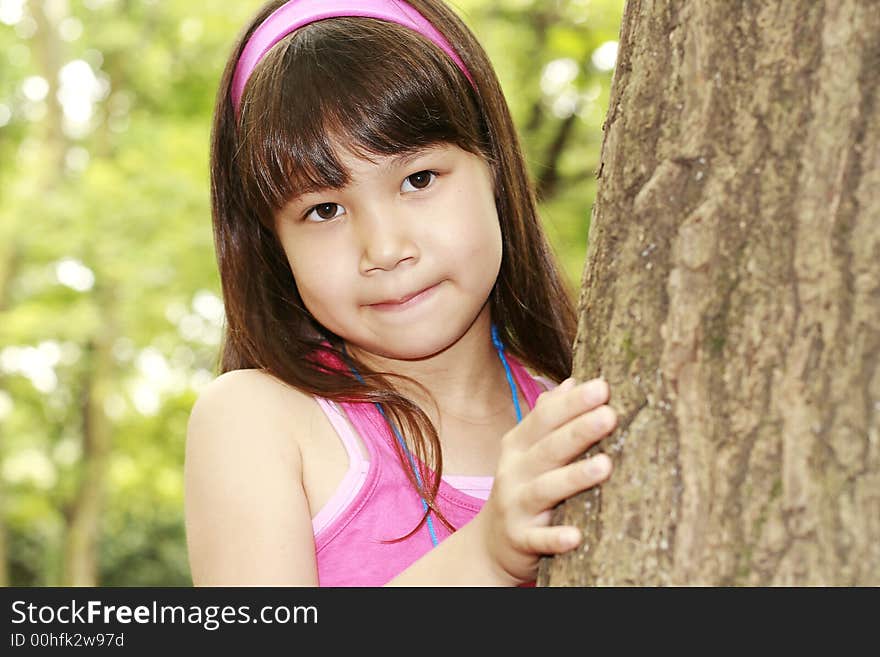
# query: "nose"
[386,238]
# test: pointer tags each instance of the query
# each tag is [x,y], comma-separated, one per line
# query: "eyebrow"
[408,156]
[397,161]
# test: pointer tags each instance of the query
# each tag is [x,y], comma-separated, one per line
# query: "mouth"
[407,301]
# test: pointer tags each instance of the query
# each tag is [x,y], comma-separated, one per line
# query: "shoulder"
[248,400]
[247,414]
[244,503]
[247,391]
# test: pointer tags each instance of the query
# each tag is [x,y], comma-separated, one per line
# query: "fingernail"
[604,418]
[595,391]
[598,465]
[572,537]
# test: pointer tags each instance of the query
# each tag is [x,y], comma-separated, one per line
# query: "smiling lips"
[404,302]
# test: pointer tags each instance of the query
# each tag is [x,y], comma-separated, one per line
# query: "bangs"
[363,85]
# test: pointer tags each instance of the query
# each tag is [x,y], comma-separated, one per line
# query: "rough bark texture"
[731,297]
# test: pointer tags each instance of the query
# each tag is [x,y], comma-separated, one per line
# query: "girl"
[387,283]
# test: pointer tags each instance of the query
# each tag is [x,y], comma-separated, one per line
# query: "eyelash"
[433,173]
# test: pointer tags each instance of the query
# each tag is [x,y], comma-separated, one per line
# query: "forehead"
[358,164]
[355,159]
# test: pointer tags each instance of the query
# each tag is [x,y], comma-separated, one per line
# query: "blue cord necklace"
[499,347]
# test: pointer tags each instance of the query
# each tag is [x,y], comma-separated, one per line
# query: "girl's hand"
[535,472]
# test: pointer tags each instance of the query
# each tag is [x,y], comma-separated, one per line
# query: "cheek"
[477,244]
[315,275]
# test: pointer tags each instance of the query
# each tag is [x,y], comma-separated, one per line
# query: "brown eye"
[325,211]
[421,179]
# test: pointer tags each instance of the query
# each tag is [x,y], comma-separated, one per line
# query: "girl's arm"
[247,517]
[462,559]
[248,520]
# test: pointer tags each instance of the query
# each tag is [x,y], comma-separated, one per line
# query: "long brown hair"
[381,89]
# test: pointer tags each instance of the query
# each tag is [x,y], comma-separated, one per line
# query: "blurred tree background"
[110,308]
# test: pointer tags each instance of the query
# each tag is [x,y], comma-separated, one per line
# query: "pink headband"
[296,13]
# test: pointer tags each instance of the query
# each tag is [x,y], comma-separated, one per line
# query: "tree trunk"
[48,51]
[731,297]
[83,515]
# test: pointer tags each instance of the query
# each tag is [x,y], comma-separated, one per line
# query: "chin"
[412,343]
[419,350]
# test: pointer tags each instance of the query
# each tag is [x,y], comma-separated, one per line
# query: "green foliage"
[109,293]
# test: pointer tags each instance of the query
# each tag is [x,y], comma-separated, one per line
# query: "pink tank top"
[376,501]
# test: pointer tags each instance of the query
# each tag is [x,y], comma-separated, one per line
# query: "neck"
[467,379]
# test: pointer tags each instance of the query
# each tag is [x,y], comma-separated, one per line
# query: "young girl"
[394,314]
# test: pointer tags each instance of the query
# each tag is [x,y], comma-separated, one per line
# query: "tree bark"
[731,297]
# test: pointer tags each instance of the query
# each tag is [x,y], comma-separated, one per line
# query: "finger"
[572,439]
[552,540]
[549,489]
[566,385]
[559,406]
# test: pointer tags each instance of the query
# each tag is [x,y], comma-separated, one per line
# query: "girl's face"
[402,226]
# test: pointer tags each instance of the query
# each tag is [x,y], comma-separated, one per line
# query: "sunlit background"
[110,308]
